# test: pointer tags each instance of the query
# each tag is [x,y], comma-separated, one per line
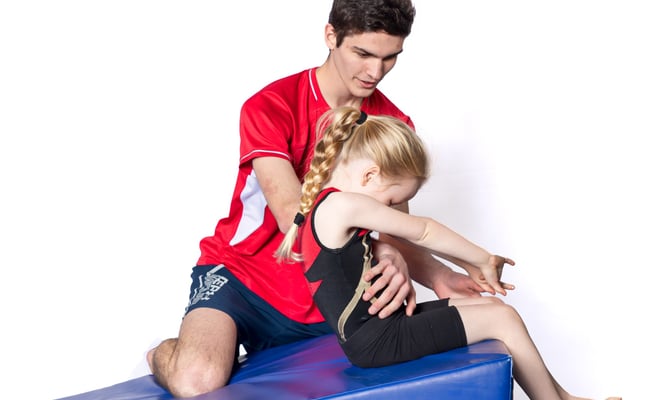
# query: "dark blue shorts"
[259,325]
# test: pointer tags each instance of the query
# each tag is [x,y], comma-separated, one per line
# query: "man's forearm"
[432,273]
[422,266]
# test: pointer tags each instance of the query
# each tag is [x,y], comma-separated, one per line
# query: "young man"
[240,294]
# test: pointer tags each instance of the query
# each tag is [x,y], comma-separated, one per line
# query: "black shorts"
[259,325]
[433,328]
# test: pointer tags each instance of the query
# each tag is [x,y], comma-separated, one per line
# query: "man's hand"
[483,280]
[452,284]
[393,279]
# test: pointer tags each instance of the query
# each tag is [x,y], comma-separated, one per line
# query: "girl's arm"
[344,211]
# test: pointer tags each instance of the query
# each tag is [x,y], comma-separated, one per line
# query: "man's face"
[364,59]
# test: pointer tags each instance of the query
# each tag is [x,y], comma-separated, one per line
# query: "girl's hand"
[489,275]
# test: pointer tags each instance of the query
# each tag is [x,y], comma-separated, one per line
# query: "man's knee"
[197,379]
[201,360]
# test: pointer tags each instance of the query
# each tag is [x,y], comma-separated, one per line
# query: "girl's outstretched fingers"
[501,262]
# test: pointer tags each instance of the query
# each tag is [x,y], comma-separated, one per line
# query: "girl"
[361,167]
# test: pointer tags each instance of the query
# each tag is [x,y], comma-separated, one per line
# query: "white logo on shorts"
[209,285]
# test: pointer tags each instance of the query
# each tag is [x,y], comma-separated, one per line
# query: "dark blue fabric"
[259,325]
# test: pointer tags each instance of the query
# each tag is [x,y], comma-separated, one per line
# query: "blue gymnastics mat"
[318,369]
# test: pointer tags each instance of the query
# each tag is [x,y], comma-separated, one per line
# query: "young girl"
[361,166]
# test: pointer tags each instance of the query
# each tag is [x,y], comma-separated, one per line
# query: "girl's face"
[392,191]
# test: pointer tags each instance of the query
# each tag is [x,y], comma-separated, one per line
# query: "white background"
[119,149]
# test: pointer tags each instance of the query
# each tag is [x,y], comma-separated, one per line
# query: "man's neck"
[332,88]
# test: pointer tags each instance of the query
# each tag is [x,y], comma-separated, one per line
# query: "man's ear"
[370,174]
[330,37]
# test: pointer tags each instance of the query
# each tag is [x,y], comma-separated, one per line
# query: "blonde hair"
[348,134]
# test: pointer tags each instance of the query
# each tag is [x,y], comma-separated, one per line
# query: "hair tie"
[362,118]
[299,219]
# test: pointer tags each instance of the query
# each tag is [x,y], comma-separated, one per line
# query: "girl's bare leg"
[489,318]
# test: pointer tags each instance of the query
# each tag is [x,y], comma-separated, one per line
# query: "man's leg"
[201,359]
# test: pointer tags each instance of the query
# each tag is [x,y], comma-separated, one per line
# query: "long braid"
[335,127]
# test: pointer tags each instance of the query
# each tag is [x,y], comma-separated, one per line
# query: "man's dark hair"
[350,17]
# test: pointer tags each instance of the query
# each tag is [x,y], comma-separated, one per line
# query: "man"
[240,294]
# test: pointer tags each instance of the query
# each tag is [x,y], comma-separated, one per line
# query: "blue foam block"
[318,369]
